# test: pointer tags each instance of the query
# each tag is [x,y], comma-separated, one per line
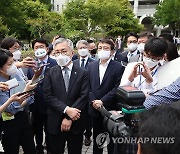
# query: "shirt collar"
[86,58]
[106,64]
[45,60]
[69,66]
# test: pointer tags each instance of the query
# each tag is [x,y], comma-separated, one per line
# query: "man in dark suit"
[119,44]
[39,107]
[83,61]
[131,45]
[66,91]
[105,76]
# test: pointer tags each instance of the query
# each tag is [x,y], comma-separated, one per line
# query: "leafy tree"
[168,13]
[3,29]
[93,16]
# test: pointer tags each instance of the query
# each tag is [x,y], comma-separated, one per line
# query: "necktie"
[66,78]
[82,63]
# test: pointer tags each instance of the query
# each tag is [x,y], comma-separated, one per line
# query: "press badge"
[7,116]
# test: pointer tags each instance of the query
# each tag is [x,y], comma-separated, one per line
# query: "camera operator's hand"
[147,74]
[134,72]
[66,125]
[26,62]
[97,104]
[19,99]
[3,86]
[73,113]
[37,72]
[30,86]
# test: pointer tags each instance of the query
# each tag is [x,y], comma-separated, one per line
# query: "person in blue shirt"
[167,95]
[14,120]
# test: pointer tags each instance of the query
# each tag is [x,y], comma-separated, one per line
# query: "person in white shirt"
[144,74]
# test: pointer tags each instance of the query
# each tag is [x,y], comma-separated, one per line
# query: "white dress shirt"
[85,60]
[102,69]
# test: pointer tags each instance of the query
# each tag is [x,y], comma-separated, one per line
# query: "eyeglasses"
[64,53]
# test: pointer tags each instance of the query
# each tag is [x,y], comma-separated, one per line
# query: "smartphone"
[39,79]
[12,83]
[31,92]
[39,65]
[140,68]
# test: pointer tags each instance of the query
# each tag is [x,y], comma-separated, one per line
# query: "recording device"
[12,83]
[30,92]
[115,123]
[130,102]
[39,65]
[38,80]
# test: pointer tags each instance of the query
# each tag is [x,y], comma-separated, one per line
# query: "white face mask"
[149,62]
[103,54]
[63,60]
[83,52]
[140,47]
[40,53]
[132,46]
[12,70]
[16,55]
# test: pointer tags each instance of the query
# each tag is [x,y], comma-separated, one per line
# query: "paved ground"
[85,150]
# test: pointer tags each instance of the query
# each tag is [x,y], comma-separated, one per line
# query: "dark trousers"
[39,122]
[18,132]
[57,143]
[98,128]
[88,124]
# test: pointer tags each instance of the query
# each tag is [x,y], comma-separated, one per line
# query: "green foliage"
[168,13]
[112,17]
[3,29]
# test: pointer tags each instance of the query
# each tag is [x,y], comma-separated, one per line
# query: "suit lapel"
[108,71]
[73,77]
[96,73]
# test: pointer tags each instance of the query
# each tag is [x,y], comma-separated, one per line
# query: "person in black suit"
[119,44]
[83,61]
[66,91]
[104,77]
[39,107]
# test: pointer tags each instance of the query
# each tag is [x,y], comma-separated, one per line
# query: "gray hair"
[61,40]
[81,42]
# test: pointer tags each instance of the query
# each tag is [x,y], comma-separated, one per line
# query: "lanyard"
[152,73]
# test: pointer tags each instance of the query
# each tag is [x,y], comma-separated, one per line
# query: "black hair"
[8,42]
[40,40]
[167,37]
[171,52]
[161,121]
[111,38]
[90,41]
[108,41]
[145,34]
[156,46]
[131,34]
[4,55]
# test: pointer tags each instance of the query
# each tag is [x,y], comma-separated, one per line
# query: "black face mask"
[93,51]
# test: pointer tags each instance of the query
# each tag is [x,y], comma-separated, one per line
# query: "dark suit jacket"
[120,57]
[122,46]
[77,62]
[39,104]
[106,92]
[58,99]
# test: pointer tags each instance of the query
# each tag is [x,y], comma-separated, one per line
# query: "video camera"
[125,123]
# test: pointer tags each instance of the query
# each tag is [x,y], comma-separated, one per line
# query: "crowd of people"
[60,91]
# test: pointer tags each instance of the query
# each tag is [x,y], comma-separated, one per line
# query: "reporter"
[14,119]
[13,45]
[144,74]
